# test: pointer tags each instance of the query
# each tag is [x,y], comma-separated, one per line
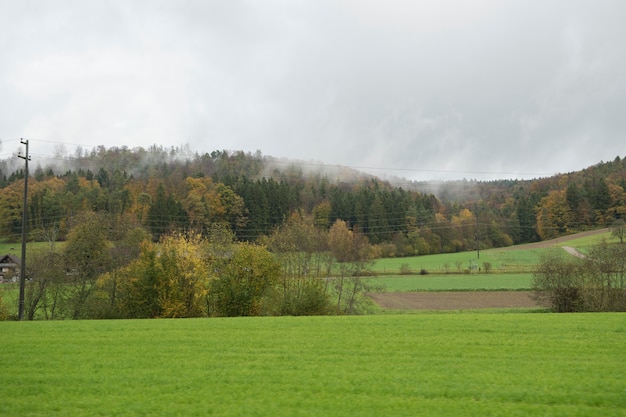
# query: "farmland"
[398,363]
[399,281]
[512,259]
[473,282]
[392,365]
[512,270]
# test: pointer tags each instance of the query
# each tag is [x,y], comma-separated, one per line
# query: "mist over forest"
[164,189]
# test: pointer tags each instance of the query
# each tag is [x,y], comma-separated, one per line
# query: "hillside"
[167,189]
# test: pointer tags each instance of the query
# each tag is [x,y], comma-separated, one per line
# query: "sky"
[479,89]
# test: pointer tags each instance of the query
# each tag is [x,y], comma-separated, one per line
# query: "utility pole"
[26,158]
[476,234]
[477,245]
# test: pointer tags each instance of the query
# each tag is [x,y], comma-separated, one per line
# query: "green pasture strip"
[500,260]
[468,282]
[532,310]
[584,243]
[15,248]
[393,365]
[510,259]
[589,240]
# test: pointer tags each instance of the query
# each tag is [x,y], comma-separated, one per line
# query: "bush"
[311,300]
[405,269]
[386,250]
[4,310]
[567,300]
[597,283]
[558,279]
[243,281]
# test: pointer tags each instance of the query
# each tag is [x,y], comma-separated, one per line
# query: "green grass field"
[15,248]
[470,282]
[514,259]
[394,365]
[586,242]
[509,260]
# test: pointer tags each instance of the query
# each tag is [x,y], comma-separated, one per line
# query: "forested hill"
[167,189]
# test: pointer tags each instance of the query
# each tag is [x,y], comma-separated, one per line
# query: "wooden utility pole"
[20,305]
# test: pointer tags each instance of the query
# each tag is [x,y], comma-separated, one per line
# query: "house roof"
[10,259]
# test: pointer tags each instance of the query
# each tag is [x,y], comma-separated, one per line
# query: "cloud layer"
[446,89]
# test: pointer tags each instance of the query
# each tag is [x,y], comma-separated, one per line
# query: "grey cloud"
[487,86]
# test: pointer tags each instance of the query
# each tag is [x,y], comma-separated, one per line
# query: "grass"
[392,365]
[503,260]
[15,248]
[471,282]
[500,259]
[585,242]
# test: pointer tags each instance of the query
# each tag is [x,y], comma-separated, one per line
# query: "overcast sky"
[422,89]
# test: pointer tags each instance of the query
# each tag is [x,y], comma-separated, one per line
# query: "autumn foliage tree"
[300,248]
[169,279]
[86,256]
[554,216]
[352,252]
[312,223]
[243,280]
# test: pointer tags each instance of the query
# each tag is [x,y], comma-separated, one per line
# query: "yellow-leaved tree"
[169,279]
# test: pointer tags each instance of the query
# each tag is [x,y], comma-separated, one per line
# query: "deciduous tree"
[169,279]
[86,255]
[299,247]
[618,230]
[243,281]
[352,252]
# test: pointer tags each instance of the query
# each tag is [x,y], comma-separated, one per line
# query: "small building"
[9,268]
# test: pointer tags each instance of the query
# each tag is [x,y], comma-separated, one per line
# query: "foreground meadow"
[390,365]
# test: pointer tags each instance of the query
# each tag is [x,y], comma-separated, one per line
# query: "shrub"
[405,269]
[596,283]
[558,279]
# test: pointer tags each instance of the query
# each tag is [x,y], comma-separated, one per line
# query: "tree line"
[111,269]
[169,233]
[164,190]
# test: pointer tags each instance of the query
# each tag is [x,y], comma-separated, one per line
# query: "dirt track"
[455,300]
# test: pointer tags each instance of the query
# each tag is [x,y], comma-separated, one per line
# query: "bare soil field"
[452,300]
